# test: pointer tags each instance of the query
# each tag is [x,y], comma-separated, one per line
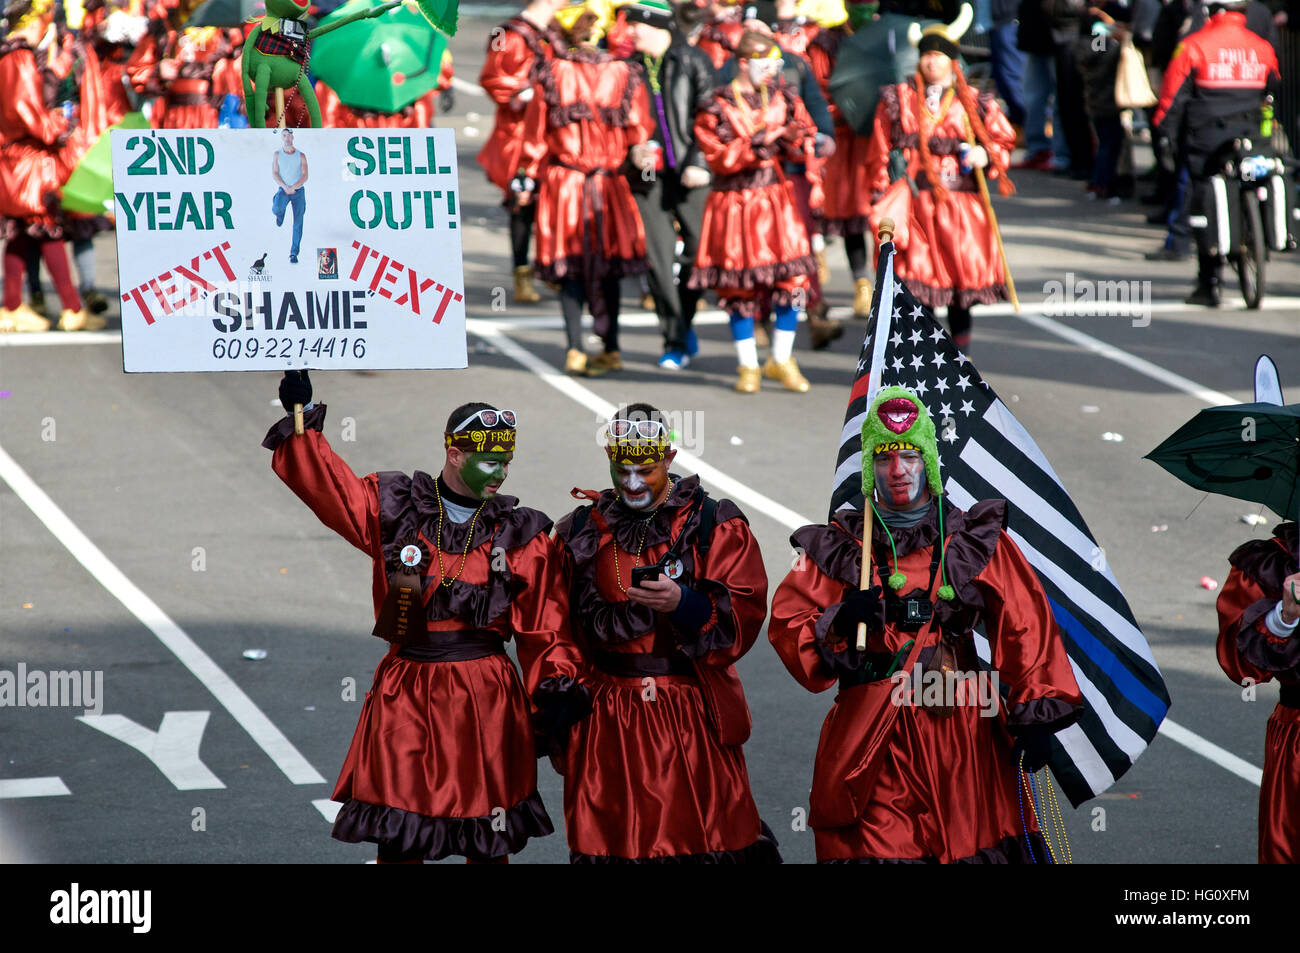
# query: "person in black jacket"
[669,178]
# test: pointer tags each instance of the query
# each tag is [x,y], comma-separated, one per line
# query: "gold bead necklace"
[442,571]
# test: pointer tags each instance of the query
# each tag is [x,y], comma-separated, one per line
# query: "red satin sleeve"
[1002,137]
[1028,653]
[22,113]
[641,121]
[735,582]
[534,148]
[344,502]
[799,602]
[724,156]
[539,615]
[142,68]
[1241,597]
[505,70]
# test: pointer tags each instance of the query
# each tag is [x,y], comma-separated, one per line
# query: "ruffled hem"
[1009,850]
[762,851]
[747,306]
[415,836]
[964,297]
[759,276]
[572,267]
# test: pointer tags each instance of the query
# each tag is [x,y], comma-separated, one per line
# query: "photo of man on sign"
[289,168]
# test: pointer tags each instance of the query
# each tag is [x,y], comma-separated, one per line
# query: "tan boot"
[821,329]
[647,302]
[22,318]
[81,320]
[862,297]
[576,363]
[761,337]
[607,361]
[823,269]
[525,293]
[787,372]
[750,379]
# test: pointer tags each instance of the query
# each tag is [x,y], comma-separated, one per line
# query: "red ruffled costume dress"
[513,49]
[445,742]
[848,191]
[207,70]
[656,772]
[947,788]
[588,111]
[752,237]
[950,254]
[1248,650]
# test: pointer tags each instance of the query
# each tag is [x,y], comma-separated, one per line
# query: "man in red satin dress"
[1258,616]
[656,773]
[443,761]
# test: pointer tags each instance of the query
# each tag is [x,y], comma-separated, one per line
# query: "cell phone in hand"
[642,574]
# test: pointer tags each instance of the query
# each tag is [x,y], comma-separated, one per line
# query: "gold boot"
[787,372]
[750,379]
[81,320]
[607,361]
[576,363]
[525,293]
[22,318]
[823,269]
[821,329]
[862,297]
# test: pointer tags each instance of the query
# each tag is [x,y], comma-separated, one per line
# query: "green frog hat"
[898,421]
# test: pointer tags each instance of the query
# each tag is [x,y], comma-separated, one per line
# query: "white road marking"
[46,338]
[328,809]
[1208,749]
[787,517]
[32,787]
[173,748]
[242,708]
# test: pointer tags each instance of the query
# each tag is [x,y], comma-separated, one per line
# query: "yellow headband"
[638,451]
[896,445]
[774,53]
[482,441]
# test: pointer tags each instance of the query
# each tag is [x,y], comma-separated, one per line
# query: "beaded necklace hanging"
[645,529]
[469,541]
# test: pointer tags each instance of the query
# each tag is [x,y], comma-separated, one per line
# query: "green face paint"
[484,473]
[860,14]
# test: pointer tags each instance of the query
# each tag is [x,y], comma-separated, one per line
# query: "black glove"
[446,101]
[295,388]
[860,605]
[1034,741]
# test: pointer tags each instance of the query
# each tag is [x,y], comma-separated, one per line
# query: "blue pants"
[1008,68]
[299,202]
[1040,95]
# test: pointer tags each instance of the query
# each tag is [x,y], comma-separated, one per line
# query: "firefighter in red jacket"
[1212,94]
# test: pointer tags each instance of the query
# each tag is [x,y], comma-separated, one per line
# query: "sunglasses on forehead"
[489,419]
[621,429]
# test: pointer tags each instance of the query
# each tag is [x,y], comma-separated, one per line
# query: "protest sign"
[272,249]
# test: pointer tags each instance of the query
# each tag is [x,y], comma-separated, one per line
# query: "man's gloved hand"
[295,388]
[1034,741]
[860,605]
[446,101]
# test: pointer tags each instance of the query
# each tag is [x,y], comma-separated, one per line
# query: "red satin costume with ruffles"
[648,776]
[951,253]
[752,238]
[848,190]
[947,788]
[443,747]
[588,111]
[1248,650]
[513,49]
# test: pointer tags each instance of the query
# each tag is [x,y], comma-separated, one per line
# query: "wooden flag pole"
[884,232]
[280,122]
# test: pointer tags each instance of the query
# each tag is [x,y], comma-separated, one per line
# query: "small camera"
[916,613]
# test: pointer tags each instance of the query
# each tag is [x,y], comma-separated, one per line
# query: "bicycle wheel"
[1250,254]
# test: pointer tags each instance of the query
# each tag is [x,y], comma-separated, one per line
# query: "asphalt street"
[153,543]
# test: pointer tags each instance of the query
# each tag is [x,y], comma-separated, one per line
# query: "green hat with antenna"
[896,420]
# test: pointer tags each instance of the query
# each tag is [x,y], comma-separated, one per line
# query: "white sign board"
[207,221]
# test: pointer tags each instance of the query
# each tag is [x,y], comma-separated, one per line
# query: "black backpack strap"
[708,518]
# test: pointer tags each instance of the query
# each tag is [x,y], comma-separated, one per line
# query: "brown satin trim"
[457,645]
[749,179]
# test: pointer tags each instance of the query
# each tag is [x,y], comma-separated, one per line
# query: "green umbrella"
[90,187]
[878,54]
[1246,451]
[384,64]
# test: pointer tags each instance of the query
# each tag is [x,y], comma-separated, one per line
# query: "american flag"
[985,453]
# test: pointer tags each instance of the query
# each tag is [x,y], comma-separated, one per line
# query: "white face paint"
[633,488]
[761,71]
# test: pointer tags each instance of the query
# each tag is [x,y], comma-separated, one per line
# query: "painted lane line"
[789,518]
[46,338]
[604,409]
[242,708]
[1208,749]
[328,809]
[32,787]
